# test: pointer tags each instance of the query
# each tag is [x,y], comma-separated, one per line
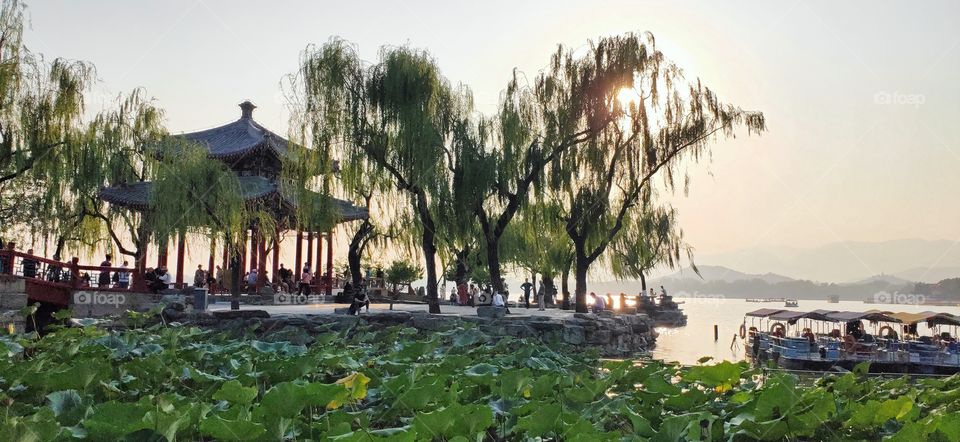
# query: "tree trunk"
[565,287]
[355,252]
[429,258]
[234,278]
[460,271]
[548,288]
[429,251]
[643,282]
[580,274]
[493,263]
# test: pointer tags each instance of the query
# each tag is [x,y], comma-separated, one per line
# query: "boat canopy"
[943,319]
[910,318]
[820,315]
[764,312]
[788,315]
[857,316]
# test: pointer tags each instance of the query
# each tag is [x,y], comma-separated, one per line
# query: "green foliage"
[41,104]
[183,383]
[649,237]
[537,240]
[402,271]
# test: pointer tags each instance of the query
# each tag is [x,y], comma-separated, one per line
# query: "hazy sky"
[860,97]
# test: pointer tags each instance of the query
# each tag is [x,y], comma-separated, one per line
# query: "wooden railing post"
[75,272]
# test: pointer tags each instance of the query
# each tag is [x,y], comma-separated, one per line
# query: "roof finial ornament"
[246,109]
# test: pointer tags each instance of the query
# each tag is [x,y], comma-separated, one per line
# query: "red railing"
[71,275]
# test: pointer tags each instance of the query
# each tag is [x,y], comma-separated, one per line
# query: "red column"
[309,248]
[255,240]
[276,256]
[298,263]
[226,256]
[262,259]
[243,256]
[330,262]
[162,253]
[319,263]
[181,245]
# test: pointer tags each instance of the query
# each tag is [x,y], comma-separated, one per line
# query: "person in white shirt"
[123,276]
[165,277]
[498,300]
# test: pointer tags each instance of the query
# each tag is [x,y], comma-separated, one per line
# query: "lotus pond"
[185,383]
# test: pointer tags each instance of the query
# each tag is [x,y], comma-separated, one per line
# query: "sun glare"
[628,96]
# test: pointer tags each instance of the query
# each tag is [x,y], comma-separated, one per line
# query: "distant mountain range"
[848,261]
[720,273]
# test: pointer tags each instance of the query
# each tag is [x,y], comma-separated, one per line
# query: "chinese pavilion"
[255,154]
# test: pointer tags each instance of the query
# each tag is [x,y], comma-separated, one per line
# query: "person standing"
[541,297]
[54,271]
[104,279]
[305,279]
[123,276]
[219,278]
[30,266]
[526,286]
[462,293]
[252,282]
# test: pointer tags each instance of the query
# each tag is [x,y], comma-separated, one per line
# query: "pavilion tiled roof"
[239,138]
[137,196]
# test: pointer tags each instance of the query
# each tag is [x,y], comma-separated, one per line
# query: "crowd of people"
[54,270]
[218,281]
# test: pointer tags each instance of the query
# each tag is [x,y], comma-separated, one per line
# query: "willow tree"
[566,109]
[41,104]
[471,170]
[640,123]
[649,238]
[537,242]
[367,186]
[400,113]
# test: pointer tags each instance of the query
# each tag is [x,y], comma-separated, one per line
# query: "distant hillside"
[710,273]
[929,274]
[889,279]
[908,259]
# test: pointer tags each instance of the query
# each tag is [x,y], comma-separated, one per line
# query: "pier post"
[716,332]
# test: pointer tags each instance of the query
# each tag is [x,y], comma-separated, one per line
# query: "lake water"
[687,344]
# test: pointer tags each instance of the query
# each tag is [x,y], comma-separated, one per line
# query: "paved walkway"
[327,309]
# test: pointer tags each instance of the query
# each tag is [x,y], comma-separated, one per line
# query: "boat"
[790,303]
[766,299]
[826,340]
[663,310]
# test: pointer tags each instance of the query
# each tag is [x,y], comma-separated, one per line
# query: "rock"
[573,335]
[432,323]
[599,337]
[13,301]
[613,335]
[488,311]
[519,331]
[11,320]
[240,314]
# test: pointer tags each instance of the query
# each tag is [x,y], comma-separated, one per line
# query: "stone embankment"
[611,334]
